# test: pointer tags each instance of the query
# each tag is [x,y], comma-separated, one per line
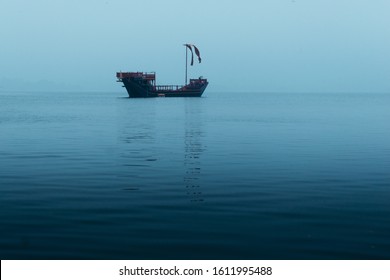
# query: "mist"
[256,46]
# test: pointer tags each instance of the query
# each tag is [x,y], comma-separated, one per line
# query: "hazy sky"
[250,45]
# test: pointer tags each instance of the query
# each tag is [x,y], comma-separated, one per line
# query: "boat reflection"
[137,152]
[146,162]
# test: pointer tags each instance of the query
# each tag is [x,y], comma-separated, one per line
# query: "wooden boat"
[143,84]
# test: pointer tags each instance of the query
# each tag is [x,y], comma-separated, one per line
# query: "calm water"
[227,176]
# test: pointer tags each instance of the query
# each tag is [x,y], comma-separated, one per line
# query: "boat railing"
[143,75]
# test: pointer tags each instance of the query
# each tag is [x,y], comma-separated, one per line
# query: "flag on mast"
[192,53]
[197,53]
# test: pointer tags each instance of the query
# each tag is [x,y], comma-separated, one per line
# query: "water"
[92,175]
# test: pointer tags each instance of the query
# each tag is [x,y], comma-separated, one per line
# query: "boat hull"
[141,86]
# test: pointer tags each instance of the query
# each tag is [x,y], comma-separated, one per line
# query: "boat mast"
[186,63]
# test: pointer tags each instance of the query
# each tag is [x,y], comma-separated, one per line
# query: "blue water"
[95,175]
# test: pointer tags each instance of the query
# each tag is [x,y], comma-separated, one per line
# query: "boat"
[143,84]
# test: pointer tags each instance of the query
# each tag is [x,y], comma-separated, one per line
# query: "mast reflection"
[193,149]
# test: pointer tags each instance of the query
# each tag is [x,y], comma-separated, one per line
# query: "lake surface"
[94,175]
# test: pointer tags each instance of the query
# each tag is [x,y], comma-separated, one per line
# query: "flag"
[197,53]
[192,54]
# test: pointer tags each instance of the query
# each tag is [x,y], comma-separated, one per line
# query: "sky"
[247,45]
